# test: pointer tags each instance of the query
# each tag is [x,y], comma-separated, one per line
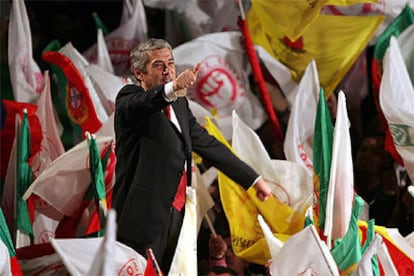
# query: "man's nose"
[165,69]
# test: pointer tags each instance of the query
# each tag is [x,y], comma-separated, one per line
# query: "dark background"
[73,21]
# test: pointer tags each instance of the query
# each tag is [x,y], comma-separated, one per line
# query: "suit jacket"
[151,154]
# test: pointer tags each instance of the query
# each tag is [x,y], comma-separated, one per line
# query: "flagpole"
[258,76]
[210,225]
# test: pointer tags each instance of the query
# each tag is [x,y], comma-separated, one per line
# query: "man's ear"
[138,74]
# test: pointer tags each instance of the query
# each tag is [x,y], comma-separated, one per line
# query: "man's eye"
[158,65]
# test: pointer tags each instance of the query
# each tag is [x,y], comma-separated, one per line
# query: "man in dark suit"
[154,153]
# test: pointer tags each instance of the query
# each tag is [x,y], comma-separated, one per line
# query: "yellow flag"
[292,18]
[334,42]
[242,207]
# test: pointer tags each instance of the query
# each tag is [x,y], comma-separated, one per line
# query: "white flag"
[386,260]
[78,255]
[406,42]
[222,84]
[204,200]
[304,254]
[63,184]
[280,72]
[273,243]
[5,268]
[185,257]
[132,30]
[103,59]
[292,184]
[51,145]
[103,263]
[397,101]
[106,85]
[365,264]
[196,18]
[25,75]
[341,180]
[299,133]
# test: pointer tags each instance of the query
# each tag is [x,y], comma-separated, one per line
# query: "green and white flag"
[397,101]
[322,155]
[24,178]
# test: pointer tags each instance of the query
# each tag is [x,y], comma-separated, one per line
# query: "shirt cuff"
[169,94]
[257,179]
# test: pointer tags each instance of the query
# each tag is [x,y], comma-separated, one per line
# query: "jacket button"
[179,174]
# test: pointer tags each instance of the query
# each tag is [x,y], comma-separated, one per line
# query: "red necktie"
[179,199]
[167,111]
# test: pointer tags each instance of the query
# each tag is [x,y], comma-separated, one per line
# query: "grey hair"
[139,55]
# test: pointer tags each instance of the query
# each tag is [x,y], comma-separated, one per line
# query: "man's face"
[160,69]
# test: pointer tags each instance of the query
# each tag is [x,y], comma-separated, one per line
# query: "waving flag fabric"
[334,52]
[7,134]
[247,239]
[398,249]
[24,178]
[12,178]
[300,130]
[71,167]
[101,106]
[81,109]
[311,256]
[185,258]
[103,262]
[97,177]
[45,217]
[397,101]
[341,179]
[322,156]
[71,133]
[293,18]
[7,240]
[405,41]
[242,207]
[291,184]
[397,26]
[132,30]
[51,145]
[222,84]
[347,252]
[78,255]
[103,57]
[25,75]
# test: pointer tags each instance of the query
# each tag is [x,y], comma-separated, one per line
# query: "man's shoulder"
[128,89]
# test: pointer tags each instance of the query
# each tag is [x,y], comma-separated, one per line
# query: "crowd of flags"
[57,138]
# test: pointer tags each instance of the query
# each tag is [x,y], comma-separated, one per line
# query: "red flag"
[78,100]
[11,108]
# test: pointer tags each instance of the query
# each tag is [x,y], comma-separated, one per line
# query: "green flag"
[99,24]
[7,240]
[397,26]
[347,252]
[98,181]
[322,155]
[24,177]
